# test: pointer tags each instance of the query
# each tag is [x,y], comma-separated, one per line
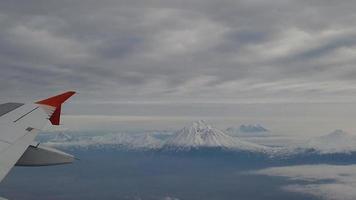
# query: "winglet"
[56,102]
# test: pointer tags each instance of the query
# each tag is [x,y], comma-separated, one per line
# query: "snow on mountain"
[250,130]
[335,142]
[145,141]
[62,137]
[125,140]
[201,134]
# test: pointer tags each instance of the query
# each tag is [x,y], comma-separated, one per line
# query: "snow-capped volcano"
[201,134]
[335,142]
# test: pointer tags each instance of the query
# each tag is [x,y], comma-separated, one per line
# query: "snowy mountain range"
[201,135]
[117,140]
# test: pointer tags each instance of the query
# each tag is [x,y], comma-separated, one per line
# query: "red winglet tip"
[56,116]
[56,101]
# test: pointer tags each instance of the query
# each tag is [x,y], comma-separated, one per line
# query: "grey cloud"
[163,50]
[329,182]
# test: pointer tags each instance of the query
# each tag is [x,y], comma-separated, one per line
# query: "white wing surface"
[19,125]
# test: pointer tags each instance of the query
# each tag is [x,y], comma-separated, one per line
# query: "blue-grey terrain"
[197,162]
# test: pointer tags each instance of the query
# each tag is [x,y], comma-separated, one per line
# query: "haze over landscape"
[246,95]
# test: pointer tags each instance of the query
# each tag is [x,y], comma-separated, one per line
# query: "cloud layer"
[330,182]
[183,51]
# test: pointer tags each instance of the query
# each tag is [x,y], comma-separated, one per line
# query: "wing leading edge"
[20,124]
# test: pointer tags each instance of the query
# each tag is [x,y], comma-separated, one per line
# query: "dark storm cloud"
[182,50]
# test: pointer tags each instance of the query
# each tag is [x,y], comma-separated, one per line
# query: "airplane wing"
[19,125]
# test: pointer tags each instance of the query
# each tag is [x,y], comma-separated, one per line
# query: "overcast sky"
[158,54]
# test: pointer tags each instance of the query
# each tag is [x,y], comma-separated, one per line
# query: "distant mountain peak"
[248,130]
[252,128]
[201,134]
[336,141]
[338,133]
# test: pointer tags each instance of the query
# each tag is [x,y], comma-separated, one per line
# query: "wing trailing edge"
[43,156]
[55,103]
